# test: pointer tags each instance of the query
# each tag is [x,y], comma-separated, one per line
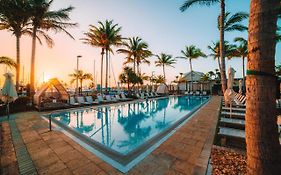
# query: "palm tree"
[190,53]
[242,52]
[262,139]
[230,51]
[137,52]
[8,62]
[104,36]
[14,18]
[159,79]
[44,19]
[164,60]
[129,76]
[189,3]
[81,76]
[233,23]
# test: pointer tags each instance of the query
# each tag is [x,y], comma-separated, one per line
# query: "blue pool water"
[123,128]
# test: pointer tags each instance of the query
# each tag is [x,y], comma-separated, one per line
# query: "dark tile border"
[26,166]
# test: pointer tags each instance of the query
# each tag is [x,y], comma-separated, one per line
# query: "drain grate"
[26,166]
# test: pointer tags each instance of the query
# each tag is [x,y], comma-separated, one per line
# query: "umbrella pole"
[8,110]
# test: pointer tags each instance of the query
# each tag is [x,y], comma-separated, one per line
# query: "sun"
[46,77]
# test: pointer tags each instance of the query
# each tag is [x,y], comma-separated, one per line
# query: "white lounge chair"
[124,97]
[73,102]
[81,100]
[118,98]
[155,94]
[110,99]
[90,100]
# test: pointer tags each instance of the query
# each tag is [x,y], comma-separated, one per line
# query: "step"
[230,132]
[227,114]
[234,109]
[233,121]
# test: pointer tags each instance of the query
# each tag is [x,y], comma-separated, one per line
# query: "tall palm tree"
[189,3]
[262,139]
[242,52]
[233,22]
[81,76]
[44,19]
[190,53]
[104,36]
[137,52]
[230,51]
[8,61]
[164,60]
[14,17]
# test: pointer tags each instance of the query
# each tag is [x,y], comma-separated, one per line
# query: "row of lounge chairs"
[198,93]
[89,100]
[144,95]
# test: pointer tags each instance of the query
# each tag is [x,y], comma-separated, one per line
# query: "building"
[197,84]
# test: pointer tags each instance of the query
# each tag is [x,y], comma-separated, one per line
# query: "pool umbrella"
[9,93]
[240,86]
[229,93]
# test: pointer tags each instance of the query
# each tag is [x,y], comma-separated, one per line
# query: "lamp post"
[77,68]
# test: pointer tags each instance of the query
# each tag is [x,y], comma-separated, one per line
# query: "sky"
[158,22]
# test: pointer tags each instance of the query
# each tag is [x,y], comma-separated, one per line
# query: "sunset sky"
[159,22]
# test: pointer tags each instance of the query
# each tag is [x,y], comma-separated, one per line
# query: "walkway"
[186,152]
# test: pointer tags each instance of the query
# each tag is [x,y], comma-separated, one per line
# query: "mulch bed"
[228,161]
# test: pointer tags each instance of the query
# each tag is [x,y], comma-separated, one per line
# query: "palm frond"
[189,3]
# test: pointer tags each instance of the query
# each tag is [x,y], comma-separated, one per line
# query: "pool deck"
[27,147]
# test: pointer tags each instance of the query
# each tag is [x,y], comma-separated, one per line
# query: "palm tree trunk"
[134,64]
[243,62]
[222,49]
[164,73]
[101,78]
[219,63]
[106,71]
[263,147]
[18,61]
[81,85]
[190,64]
[32,66]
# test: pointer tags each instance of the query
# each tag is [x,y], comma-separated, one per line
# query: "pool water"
[123,128]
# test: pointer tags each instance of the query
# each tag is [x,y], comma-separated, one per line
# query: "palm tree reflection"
[132,125]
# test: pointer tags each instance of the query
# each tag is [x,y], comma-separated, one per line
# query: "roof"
[52,82]
[196,76]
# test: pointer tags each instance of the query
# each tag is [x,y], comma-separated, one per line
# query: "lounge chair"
[90,100]
[81,100]
[204,93]
[117,97]
[197,93]
[124,97]
[73,102]
[148,95]
[142,96]
[152,95]
[109,99]
[155,94]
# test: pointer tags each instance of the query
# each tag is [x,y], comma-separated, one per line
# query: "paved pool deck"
[28,147]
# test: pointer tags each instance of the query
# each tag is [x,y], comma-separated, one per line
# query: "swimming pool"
[123,132]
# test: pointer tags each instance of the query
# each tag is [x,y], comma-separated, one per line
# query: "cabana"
[162,89]
[62,93]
